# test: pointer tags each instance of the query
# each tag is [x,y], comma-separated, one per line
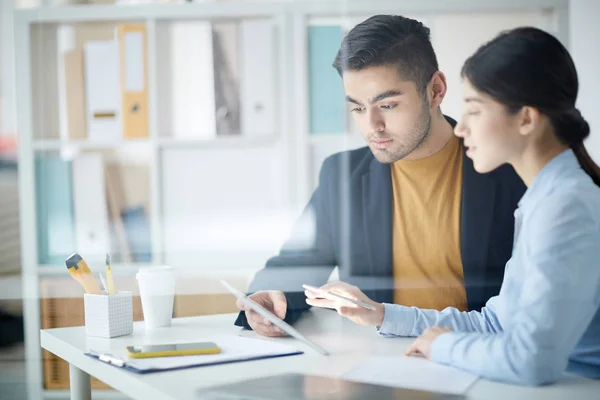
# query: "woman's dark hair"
[529,67]
[389,40]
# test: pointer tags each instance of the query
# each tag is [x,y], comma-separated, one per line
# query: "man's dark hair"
[385,40]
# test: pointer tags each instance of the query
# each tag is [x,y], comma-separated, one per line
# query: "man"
[407,219]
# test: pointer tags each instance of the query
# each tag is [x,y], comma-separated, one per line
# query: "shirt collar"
[559,164]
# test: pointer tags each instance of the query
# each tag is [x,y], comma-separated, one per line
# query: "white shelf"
[147,12]
[118,269]
[231,141]
[57,144]
[108,394]
[216,10]
[344,8]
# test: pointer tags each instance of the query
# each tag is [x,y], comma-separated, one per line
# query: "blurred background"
[191,134]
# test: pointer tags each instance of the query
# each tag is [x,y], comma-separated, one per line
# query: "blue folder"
[326,90]
[54,209]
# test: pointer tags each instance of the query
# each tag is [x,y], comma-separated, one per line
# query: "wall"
[585,49]
[7,87]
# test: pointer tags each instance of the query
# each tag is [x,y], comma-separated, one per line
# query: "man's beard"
[417,136]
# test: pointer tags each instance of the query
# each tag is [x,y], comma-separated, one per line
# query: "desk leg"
[81,388]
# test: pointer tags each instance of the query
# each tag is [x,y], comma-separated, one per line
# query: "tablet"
[287,328]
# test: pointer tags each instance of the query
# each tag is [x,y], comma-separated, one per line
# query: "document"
[412,373]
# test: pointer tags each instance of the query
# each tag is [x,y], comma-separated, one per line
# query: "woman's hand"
[353,312]
[422,345]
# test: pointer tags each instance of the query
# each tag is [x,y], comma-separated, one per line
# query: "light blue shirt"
[546,318]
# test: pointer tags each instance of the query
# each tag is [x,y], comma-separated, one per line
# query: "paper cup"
[157,290]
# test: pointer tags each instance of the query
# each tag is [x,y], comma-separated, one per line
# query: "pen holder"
[108,316]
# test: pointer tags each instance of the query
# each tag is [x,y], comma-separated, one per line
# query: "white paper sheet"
[412,373]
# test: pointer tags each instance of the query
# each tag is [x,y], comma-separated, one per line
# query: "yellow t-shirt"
[428,271]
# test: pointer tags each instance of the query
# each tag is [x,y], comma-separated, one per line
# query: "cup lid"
[147,272]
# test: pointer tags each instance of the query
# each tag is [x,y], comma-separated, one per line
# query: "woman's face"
[490,132]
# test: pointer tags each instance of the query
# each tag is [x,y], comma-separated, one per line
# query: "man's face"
[391,113]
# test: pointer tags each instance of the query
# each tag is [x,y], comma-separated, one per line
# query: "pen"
[103,282]
[334,296]
[111,288]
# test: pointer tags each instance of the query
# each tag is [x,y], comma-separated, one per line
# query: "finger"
[342,289]
[333,285]
[312,295]
[267,330]
[279,303]
[344,293]
[413,349]
[271,331]
[349,311]
[239,304]
[323,303]
[256,318]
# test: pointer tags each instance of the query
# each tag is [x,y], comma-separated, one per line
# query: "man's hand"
[422,345]
[353,312]
[272,300]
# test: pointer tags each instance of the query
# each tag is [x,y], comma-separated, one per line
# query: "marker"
[80,271]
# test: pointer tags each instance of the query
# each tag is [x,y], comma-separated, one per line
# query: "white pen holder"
[108,316]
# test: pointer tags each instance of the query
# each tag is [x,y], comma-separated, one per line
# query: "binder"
[233,349]
[138,234]
[192,80]
[102,87]
[91,211]
[71,85]
[71,39]
[258,77]
[227,77]
[134,80]
[75,96]
[115,200]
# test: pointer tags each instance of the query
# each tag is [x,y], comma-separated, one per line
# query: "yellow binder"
[134,80]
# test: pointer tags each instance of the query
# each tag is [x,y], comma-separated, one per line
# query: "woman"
[520,91]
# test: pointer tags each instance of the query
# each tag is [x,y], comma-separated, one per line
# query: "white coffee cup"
[157,290]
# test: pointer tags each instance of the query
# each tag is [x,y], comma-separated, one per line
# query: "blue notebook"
[233,349]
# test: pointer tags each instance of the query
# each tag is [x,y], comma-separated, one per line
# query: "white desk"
[349,344]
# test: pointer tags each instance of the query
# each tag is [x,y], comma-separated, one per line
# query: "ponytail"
[586,162]
[572,129]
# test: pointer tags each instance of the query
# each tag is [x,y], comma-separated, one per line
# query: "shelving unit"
[32,141]
[295,152]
